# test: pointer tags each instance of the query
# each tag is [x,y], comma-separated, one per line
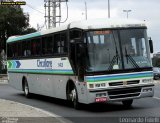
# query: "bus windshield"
[103,51]
[135,48]
[107,50]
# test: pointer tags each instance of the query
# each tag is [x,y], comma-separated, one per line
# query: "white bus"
[92,61]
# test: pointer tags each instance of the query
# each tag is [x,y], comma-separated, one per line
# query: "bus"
[90,61]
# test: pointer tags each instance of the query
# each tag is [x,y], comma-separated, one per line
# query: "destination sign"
[102,32]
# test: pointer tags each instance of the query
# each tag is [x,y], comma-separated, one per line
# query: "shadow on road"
[97,107]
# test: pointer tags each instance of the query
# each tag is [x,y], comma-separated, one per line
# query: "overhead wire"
[34,8]
[30,6]
[45,13]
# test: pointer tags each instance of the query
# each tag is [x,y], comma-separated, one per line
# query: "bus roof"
[86,24]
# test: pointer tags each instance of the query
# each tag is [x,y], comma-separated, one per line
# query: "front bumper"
[121,93]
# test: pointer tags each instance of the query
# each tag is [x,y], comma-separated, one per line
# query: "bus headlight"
[99,85]
[91,85]
[147,80]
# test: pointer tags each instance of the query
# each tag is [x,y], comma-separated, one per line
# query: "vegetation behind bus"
[13,21]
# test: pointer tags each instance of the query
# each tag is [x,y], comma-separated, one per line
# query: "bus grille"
[124,93]
[121,83]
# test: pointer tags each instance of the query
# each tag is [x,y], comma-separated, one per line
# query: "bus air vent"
[124,93]
[121,83]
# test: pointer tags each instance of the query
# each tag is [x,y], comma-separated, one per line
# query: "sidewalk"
[13,112]
[3,79]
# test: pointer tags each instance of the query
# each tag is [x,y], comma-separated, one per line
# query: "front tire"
[73,97]
[127,103]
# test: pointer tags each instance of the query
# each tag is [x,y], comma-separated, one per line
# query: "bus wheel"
[26,89]
[74,98]
[127,103]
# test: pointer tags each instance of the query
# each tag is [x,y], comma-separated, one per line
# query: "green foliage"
[12,22]
[29,30]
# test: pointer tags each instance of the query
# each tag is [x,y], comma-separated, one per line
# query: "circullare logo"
[44,64]
[13,64]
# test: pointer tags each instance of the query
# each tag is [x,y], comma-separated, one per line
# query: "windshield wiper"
[115,58]
[129,57]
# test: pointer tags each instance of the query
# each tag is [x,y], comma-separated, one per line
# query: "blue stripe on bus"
[122,76]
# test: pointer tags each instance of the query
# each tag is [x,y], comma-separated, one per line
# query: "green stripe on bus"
[41,72]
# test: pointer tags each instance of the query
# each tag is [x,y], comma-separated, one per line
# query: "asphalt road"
[95,113]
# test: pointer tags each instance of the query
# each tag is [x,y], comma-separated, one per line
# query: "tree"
[28,30]
[12,22]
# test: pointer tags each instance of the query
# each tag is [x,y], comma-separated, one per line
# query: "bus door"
[77,55]
[80,60]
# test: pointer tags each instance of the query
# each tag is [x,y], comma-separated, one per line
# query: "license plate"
[102,99]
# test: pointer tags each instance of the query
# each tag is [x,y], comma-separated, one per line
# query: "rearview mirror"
[151,45]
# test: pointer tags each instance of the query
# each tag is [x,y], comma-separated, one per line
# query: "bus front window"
[103,51]
[135,48]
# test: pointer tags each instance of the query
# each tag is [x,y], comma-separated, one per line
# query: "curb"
[59,118]
[3,81]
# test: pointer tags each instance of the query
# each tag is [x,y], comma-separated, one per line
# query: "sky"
[145,10]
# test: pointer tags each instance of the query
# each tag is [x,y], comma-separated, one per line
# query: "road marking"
[156,98]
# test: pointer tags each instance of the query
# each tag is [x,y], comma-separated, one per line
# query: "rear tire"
[127,103]
[26,89]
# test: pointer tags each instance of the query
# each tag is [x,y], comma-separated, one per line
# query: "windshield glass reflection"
[103,51]
[135,48]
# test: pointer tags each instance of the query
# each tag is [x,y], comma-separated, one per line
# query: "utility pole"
[108,9]
[49,16]
[52,16]
[86,10]
[54,13]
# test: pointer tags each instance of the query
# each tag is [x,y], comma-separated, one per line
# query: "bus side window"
[50,45]
[26,48]
[60,43]
[47,45]
[36,47]
[63,43]
[15,50]
[19,49]
[56,43]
